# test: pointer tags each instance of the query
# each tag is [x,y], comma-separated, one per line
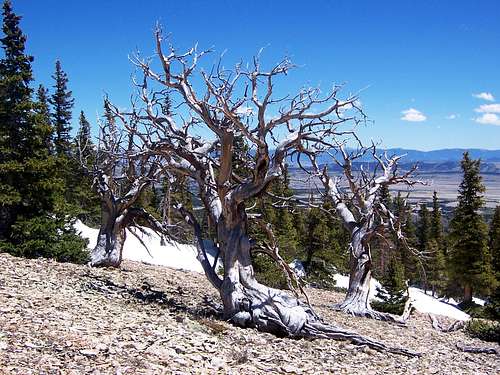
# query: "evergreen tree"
[424,237]
[385,196]
[436,231]
[44,111]
[470,259]
[494,243]
[283,224]
[62,104]
[393,294]
[424,228]
[436,271]
[382,247]
[83,138]
[81,199]
[493,307]
[325,247]
[16,122]
[408,259]
[29,222]
[437,263]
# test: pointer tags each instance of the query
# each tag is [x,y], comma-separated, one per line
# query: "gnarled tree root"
[473,349]
[270,310]
[365,312]
[320,330]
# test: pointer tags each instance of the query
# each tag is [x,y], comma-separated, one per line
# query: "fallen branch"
[473,349]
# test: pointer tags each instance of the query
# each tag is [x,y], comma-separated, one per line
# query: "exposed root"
[273,311]
[372,314]
[457,325]
[473,349]
[319,330]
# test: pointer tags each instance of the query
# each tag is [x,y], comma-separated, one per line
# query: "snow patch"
[174,255]
[427,304]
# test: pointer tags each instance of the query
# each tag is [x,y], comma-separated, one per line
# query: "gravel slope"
[67,319]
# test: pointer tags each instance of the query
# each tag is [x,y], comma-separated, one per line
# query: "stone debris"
[66,319]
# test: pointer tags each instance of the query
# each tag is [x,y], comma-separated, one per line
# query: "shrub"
[43,237]
[486,330]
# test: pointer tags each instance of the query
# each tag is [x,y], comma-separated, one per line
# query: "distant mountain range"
[445,155]
[436,161]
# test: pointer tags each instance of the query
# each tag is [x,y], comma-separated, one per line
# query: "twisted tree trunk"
[247,303]
[111,238]
[356,301]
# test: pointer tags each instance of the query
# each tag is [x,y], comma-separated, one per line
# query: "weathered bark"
[356,301]
[110,241]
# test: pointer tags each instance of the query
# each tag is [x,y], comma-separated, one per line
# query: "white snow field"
[180,256]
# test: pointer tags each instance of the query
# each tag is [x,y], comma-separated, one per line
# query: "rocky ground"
[68,319]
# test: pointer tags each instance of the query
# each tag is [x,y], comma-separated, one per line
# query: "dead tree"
[121,170]
[355,195]
[200,146]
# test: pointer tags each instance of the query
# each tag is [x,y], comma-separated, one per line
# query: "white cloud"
[488,108]
[489,119]
[485,96]
[452,117]
[413,115]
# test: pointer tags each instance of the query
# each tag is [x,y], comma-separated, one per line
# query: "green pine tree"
[494,242]
[62,104]
[437,262]
[82,201]
[424,237]
[470,259]
[393,294]
[493,307]
[30,224]
[44,111]
[411,263]
[382,246]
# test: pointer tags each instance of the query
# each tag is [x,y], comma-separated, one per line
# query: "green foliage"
[82,200]
[394,294]
[408,259]
[436,264]
[483,329]
[494,243]
[436,267]
[492,308]
[62,104]
[424,228]
[47,237]
[31,223]
[324,250]
[470,259]
[268,272]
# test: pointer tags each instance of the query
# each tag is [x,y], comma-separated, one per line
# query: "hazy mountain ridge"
[435,161]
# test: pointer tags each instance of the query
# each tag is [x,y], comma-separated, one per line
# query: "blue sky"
[419,62]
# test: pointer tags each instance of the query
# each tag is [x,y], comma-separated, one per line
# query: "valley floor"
[67,319]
